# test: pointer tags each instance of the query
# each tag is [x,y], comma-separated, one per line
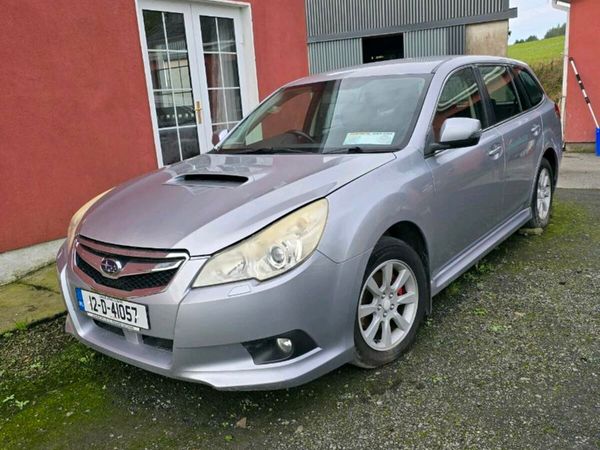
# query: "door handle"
[496,150]
[536,130]
[198,111]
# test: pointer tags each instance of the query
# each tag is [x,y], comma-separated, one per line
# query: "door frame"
[245,47]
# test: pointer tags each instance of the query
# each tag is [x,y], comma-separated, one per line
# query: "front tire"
[391,305]
[541,203]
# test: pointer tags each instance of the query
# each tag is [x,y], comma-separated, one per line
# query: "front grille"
[151,341]
[129,283]
[139,272]
[163,344]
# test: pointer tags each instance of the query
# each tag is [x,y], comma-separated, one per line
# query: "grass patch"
[546,59]
[551,75]
[542,51]
[21,326]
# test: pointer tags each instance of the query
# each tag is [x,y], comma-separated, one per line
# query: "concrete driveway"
[579,171]
[509,359]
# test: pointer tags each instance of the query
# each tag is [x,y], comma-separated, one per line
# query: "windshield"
[350,115]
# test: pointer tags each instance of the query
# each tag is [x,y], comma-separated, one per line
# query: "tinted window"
[460,98]
[501,89]
[530,85]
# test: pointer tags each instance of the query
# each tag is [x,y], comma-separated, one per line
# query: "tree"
[558,30]
[532,38]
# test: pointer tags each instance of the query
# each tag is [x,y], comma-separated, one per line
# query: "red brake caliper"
[401,291]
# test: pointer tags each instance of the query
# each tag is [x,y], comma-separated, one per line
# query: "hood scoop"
[208,180]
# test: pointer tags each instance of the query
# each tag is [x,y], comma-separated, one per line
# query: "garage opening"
[382,48]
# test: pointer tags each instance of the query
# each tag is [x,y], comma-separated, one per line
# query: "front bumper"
[207,326]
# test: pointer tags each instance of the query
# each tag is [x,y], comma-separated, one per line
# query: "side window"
[460,98]
[532,88]
[501,89]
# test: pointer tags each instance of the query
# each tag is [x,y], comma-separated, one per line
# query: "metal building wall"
[328,17]
[331,55]
[435,41]
[430,27]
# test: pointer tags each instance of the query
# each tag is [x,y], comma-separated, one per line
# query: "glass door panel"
[219,50]
[171,85]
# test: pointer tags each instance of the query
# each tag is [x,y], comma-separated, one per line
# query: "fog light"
[285,345]
[282,347]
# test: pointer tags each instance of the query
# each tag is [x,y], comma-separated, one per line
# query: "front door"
[468,181]
[193,55]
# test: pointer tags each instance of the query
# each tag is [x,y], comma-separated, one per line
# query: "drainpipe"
[564,6]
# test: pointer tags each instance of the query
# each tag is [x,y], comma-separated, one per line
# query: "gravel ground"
[509,359]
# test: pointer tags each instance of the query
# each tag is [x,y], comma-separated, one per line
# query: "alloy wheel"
[388,305]
[544,194]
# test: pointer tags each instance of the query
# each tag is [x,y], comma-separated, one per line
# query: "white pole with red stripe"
[584,92]
[589,103]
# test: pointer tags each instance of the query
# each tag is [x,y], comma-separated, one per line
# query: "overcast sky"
[535,17]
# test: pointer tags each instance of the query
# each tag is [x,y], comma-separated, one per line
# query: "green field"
[537,52]
[546,59]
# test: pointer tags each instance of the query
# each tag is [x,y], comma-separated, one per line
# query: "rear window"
[532,88]
[502,91]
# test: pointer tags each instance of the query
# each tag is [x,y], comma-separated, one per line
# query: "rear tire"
[391,305]
[543,194]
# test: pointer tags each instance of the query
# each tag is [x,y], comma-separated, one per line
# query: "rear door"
[468,181]
[520,125]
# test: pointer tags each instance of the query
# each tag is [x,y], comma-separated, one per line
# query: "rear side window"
[533,90]
[460,98]
[501,89]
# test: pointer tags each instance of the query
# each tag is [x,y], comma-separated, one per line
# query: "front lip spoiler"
[318,362]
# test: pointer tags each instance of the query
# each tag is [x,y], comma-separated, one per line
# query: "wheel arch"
[413,235]
[552,158]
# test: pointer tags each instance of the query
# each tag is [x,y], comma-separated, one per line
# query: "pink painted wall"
[74,103]
[584,31]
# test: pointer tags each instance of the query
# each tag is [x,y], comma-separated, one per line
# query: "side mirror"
[458,132]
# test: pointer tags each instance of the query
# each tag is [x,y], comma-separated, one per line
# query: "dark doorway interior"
[381,48]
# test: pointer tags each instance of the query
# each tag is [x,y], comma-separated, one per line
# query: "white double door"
[194,58]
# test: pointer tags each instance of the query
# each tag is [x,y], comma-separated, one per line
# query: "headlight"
[272,251]
[79,215]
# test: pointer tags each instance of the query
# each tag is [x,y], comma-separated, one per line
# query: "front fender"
[363,210]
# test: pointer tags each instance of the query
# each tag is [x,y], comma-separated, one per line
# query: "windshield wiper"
[264,151]
[358,149]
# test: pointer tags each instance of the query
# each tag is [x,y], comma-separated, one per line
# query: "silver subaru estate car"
[317,231]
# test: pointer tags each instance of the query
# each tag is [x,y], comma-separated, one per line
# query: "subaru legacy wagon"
[318,230]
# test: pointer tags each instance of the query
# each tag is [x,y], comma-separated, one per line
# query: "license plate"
[132,316]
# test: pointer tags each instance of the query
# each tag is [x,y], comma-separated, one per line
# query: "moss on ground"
[21,305]
[44,279]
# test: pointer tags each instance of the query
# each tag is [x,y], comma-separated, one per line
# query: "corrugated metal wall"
[326,17]
[331,55]
[436,41]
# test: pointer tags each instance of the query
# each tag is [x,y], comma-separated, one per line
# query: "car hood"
[207,203]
